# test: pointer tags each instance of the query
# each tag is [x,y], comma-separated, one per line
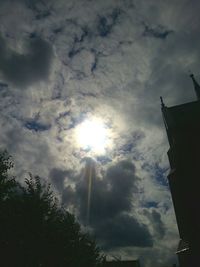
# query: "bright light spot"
[92,135]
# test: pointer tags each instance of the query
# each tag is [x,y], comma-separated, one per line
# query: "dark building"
[130,263]
[182,124]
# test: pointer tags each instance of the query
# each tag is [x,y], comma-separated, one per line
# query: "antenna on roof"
[162,103]
[196,86]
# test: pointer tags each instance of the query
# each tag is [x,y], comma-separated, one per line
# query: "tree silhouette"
[35,231]
[6,184]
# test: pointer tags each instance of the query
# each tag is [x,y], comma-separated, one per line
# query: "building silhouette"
[182,123]
[125,263]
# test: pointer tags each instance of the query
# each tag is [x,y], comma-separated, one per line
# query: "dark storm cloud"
[112,195]
[111,201]
[123,231]
[28,68]
[159,32]
[156,222]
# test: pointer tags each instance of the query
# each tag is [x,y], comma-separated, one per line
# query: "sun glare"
[92,135]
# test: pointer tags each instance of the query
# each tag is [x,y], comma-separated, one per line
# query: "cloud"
[26,68]
[123,231]
[111,59]
[3,85]
[58,177]
[36,126]
[156,222]
[106,23]
[158,32]
[111,203]
[112,195]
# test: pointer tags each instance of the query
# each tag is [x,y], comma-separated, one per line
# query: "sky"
[67,63]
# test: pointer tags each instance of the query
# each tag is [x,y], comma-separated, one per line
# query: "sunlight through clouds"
[93,135]
[86,84]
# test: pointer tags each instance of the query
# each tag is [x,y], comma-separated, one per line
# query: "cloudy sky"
[65,64]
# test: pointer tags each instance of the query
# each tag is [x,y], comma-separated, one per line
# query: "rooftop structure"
[182,125]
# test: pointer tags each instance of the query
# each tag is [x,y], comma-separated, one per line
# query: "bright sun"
[92,134]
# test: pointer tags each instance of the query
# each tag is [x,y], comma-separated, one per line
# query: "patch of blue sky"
[103,159]
[36,126]
[161,175]
[151,204]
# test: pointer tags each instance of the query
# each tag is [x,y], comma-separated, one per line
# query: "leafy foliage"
[35,231]
[6,184]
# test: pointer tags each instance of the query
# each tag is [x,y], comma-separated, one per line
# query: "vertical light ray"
[89,192]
